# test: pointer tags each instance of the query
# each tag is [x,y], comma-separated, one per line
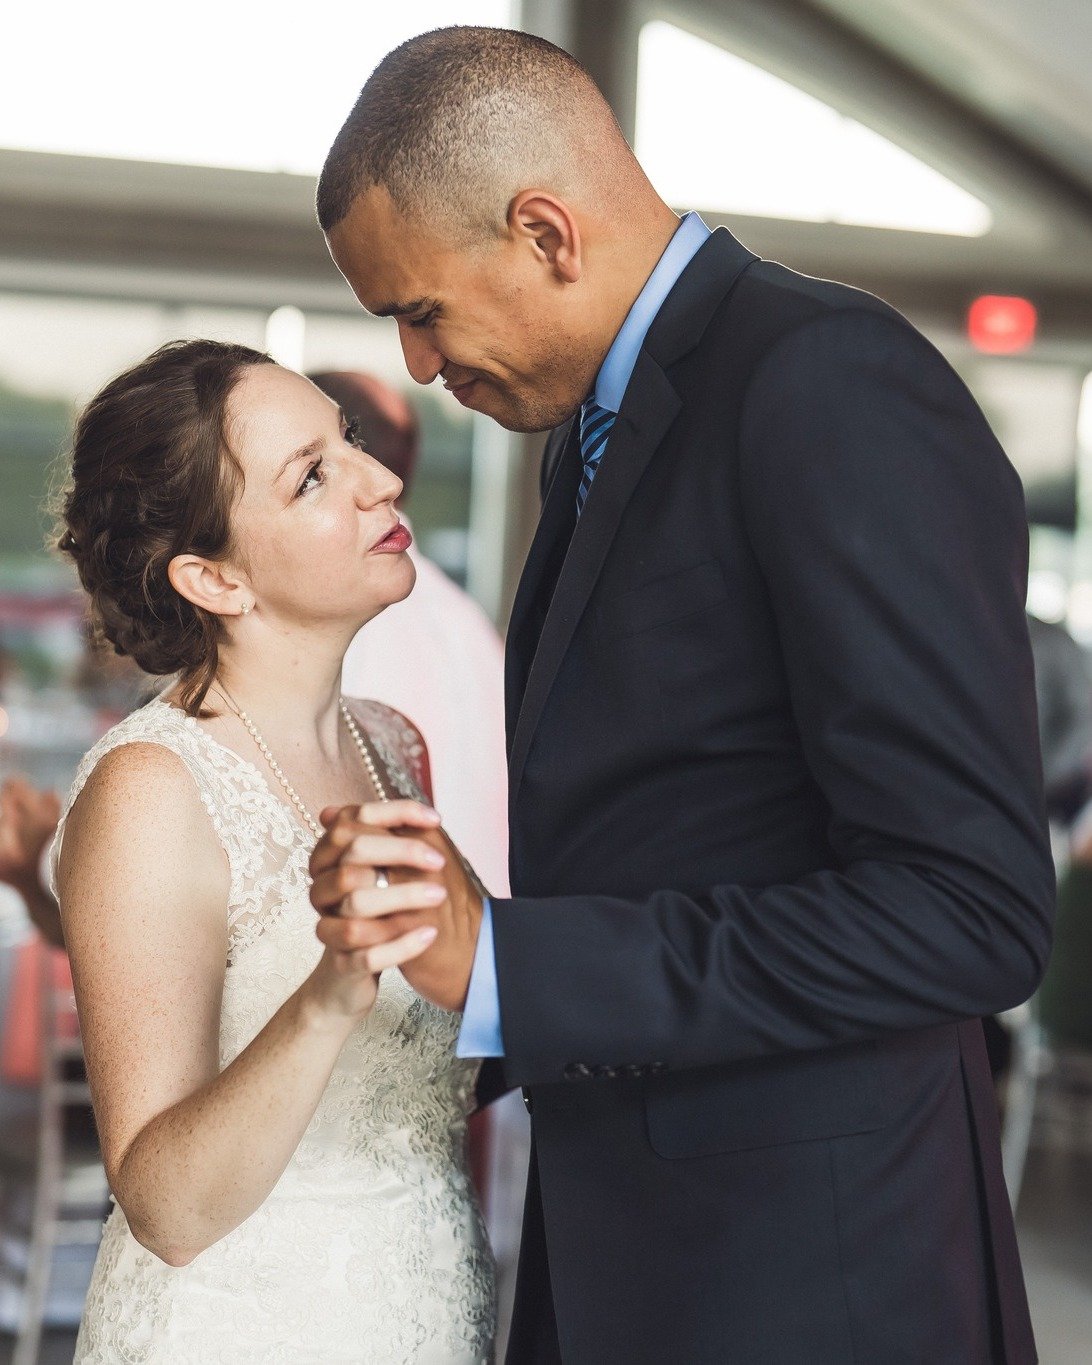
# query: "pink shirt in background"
[438,659]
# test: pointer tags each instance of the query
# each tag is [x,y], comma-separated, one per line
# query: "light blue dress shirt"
[480,1035]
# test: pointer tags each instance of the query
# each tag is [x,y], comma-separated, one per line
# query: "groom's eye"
[426,319]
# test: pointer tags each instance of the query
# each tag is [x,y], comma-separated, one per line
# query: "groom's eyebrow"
[392,310]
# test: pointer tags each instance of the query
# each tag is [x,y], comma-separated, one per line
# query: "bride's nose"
[377,484]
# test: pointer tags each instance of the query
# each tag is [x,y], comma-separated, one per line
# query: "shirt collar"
[614,375]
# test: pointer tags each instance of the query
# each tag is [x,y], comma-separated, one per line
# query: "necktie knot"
[595,427]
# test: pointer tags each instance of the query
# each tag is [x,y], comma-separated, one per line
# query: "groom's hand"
[355,913]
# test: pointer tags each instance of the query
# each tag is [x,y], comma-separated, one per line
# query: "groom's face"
[486,319]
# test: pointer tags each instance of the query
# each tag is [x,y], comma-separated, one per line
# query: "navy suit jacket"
[777,843]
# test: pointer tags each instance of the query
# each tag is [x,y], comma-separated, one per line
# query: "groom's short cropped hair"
[451,120]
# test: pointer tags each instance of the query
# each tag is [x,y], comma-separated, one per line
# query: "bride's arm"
[190,1151]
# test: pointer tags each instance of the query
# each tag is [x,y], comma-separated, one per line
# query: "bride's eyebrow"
[304,453]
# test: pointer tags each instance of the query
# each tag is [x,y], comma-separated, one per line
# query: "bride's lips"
[394,542]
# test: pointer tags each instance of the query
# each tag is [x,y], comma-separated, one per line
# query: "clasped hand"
[428,887]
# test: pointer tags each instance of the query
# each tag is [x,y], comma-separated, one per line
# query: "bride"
[282,1126]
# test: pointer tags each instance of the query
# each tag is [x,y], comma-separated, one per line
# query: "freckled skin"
[191,1152]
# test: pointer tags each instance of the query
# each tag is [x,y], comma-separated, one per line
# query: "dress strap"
[254,828]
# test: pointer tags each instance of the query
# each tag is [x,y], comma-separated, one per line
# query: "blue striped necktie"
[595,427]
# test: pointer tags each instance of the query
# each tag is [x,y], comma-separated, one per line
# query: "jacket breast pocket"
[670,597]
[798,1097]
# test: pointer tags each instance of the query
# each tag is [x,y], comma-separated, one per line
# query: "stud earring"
[245,608]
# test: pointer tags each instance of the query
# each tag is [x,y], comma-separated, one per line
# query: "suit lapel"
[554,530]
[556,521]
[649,407]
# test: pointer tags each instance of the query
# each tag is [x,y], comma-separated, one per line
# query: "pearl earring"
[245,608]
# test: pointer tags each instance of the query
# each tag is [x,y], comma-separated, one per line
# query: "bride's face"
[314,509]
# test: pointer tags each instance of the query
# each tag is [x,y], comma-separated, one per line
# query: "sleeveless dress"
[370,1248]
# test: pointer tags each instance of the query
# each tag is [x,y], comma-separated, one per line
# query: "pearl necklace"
[357,737]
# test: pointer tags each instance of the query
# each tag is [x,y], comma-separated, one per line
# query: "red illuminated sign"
[1001,325]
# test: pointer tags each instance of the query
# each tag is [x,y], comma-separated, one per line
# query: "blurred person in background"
[1063,691]
[1064,999]
[109,685]
[28,819]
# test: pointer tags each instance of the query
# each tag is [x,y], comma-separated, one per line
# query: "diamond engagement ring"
[382,881]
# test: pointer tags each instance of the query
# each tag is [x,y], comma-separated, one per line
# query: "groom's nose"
[423,360]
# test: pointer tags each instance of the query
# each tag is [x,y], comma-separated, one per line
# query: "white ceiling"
[993,93]
[1023,64]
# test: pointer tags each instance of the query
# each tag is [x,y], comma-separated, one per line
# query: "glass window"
[796,157]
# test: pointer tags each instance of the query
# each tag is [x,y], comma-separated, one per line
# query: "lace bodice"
[370,1246]
[266,844]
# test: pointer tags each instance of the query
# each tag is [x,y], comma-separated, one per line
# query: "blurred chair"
[51,1154]
[1051,1071]
[1021,1088]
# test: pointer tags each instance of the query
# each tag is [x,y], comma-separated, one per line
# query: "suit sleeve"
[890,532]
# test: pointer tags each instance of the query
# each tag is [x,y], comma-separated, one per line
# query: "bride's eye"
[315,473]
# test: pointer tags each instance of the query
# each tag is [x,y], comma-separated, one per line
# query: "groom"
[777,836]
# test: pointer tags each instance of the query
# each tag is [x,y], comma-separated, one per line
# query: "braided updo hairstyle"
[153,476]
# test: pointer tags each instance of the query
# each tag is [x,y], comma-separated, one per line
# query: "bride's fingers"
[375,902]
[345,934]
[399,950]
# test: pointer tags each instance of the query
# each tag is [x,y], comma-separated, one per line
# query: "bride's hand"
[344,985]
[345,982]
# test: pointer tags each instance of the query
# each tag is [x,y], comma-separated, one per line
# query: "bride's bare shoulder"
[138,801]
[138,771]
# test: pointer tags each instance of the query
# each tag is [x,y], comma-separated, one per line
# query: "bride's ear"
[209,585]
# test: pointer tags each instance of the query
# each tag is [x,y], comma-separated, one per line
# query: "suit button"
[605,1073]
[528,1103]
[633,1070]
[655,1068]
[576,1071]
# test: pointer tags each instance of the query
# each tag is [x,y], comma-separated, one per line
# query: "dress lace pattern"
[370,1248]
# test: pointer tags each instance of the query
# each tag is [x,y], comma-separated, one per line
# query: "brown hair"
[152,477]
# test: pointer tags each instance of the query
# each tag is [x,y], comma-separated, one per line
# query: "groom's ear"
[547,225]
[207,584]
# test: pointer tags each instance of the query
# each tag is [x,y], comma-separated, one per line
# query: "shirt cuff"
[480,1035]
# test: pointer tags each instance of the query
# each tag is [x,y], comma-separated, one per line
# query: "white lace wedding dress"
[370,1247]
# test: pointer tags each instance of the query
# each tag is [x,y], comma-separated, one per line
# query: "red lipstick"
[394,542]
